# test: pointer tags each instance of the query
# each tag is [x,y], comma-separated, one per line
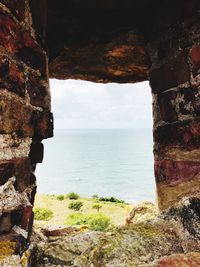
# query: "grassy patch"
[95,222]
[116,211]
[43,214]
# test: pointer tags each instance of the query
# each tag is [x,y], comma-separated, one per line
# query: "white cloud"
[80,104]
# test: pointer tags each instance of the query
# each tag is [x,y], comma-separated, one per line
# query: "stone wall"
[175,81]
[25,120]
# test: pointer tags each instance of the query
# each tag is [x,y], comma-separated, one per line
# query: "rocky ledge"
[170,239]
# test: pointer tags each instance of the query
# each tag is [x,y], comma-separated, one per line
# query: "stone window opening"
[103,113]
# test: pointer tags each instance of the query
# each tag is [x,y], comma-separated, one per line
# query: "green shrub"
[111,199]
[97,207]
[75,205]
[72,195]
[60,197]
[77,219]
[42,214]
[99,222]
[95,222]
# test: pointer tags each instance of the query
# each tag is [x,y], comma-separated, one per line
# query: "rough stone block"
[5,223]
[183,134]
[20,43]
[20,168]
[38,91]
[166,106]
[179,104]
[22,172]
[12,76]
[36,153]
[175,172]
[43,125]
[15,116]
[17,8]
[6,171]
[175,71]
[27,217]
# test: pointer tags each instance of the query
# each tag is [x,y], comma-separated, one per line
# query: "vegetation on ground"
[60,197]
[72,195]
[97,206]
[95,222]
[115,211]
[43,214]
[75,205]
[111,199]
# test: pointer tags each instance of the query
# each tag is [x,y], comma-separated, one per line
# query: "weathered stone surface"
[145,242]
[10,199]
[182,260]
[6,171]
[38,91]
[12,76]
[178,104]
[12,147]
[182,134]
[174,172]
[20,168]
[20,43]
[124,59]
[5,223]
[43,125]
[18,116]
[169,74]
[22,172]
[17,7]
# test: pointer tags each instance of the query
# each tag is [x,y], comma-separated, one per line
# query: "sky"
[81,104]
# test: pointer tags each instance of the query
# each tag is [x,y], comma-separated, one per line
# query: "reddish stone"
[195,56]
[27,217]
[36,153]
[169,75]
[182,134]
[19,42]
[175,172]
[180,260]
[9,33]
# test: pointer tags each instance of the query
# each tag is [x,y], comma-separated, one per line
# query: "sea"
[106,162]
